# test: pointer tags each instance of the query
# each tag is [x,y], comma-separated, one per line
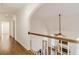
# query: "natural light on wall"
[5,44]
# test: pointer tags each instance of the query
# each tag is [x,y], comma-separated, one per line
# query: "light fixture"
[59,34]
[77,39]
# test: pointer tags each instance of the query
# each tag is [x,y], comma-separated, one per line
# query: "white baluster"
[61,47]
[46,47]
[51,47]
[42,46]
[68,49]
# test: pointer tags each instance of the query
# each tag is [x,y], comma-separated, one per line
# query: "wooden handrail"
[57,38]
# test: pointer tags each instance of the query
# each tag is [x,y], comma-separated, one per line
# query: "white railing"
[62,48]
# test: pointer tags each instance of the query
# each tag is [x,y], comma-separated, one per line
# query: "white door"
[5,27]
[5,35]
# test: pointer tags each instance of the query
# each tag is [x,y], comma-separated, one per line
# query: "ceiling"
[48,15]
[11,7]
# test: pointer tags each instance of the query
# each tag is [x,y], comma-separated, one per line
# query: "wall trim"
[19,43]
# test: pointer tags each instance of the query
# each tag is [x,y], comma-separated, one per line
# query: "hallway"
[38,28]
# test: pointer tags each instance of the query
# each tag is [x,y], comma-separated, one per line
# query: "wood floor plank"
[15,49]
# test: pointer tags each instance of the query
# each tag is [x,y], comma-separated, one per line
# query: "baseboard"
[19,42]
[31,52]
[21,46]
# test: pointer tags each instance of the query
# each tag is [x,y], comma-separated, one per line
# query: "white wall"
[22,25]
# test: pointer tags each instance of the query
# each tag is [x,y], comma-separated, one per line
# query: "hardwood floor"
[14,49]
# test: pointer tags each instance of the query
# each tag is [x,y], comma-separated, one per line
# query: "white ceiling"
[48,14]
[11,7]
